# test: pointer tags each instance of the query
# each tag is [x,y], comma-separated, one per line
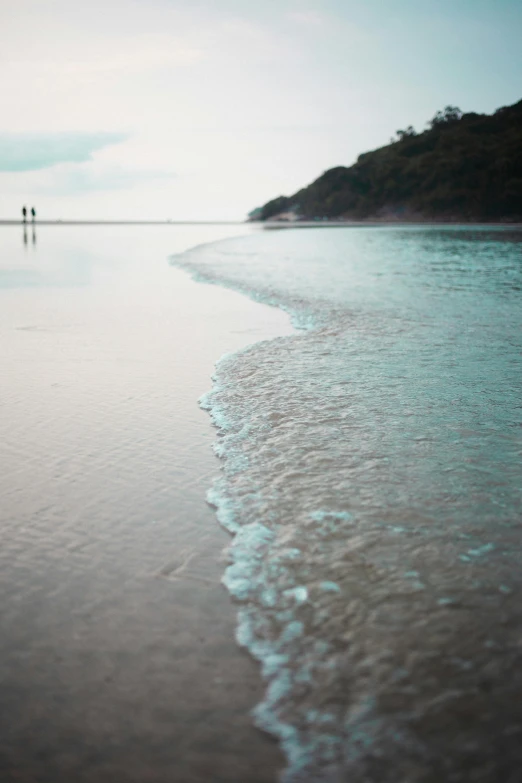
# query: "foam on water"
[371,479]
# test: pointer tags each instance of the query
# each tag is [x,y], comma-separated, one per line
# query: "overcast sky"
[206,109]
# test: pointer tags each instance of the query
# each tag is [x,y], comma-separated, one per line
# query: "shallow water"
[372,475]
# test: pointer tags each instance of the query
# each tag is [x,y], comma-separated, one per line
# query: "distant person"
[33,214]
[24,214]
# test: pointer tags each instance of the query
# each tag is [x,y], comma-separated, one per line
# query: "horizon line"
[59,222]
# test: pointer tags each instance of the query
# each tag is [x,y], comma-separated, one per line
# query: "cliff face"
[465,167]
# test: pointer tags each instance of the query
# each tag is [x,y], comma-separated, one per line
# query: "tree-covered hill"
[465,166]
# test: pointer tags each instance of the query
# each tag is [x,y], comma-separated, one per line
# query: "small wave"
[376,544]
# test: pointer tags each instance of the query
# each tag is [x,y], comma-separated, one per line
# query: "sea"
[372,480]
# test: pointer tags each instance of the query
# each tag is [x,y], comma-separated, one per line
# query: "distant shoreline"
[376,223]
[273,224]
[123,223]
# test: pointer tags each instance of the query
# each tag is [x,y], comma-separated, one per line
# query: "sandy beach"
[117,652]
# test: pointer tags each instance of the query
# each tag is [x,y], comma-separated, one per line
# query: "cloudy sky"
[204,109]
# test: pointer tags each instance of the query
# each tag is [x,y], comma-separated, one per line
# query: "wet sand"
[117,652]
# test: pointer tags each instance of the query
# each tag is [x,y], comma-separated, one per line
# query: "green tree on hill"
[407,133]
[463,167]
[445,116]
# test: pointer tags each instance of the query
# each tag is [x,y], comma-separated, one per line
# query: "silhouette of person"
[33,214]
[24,214]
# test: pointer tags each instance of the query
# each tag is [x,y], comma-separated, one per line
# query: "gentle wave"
[371,479]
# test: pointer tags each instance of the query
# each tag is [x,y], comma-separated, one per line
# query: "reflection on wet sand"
[117,652]
[33,236]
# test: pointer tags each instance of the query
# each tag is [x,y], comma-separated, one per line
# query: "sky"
[203,110]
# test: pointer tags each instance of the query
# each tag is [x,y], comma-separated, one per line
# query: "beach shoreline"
[283,223]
